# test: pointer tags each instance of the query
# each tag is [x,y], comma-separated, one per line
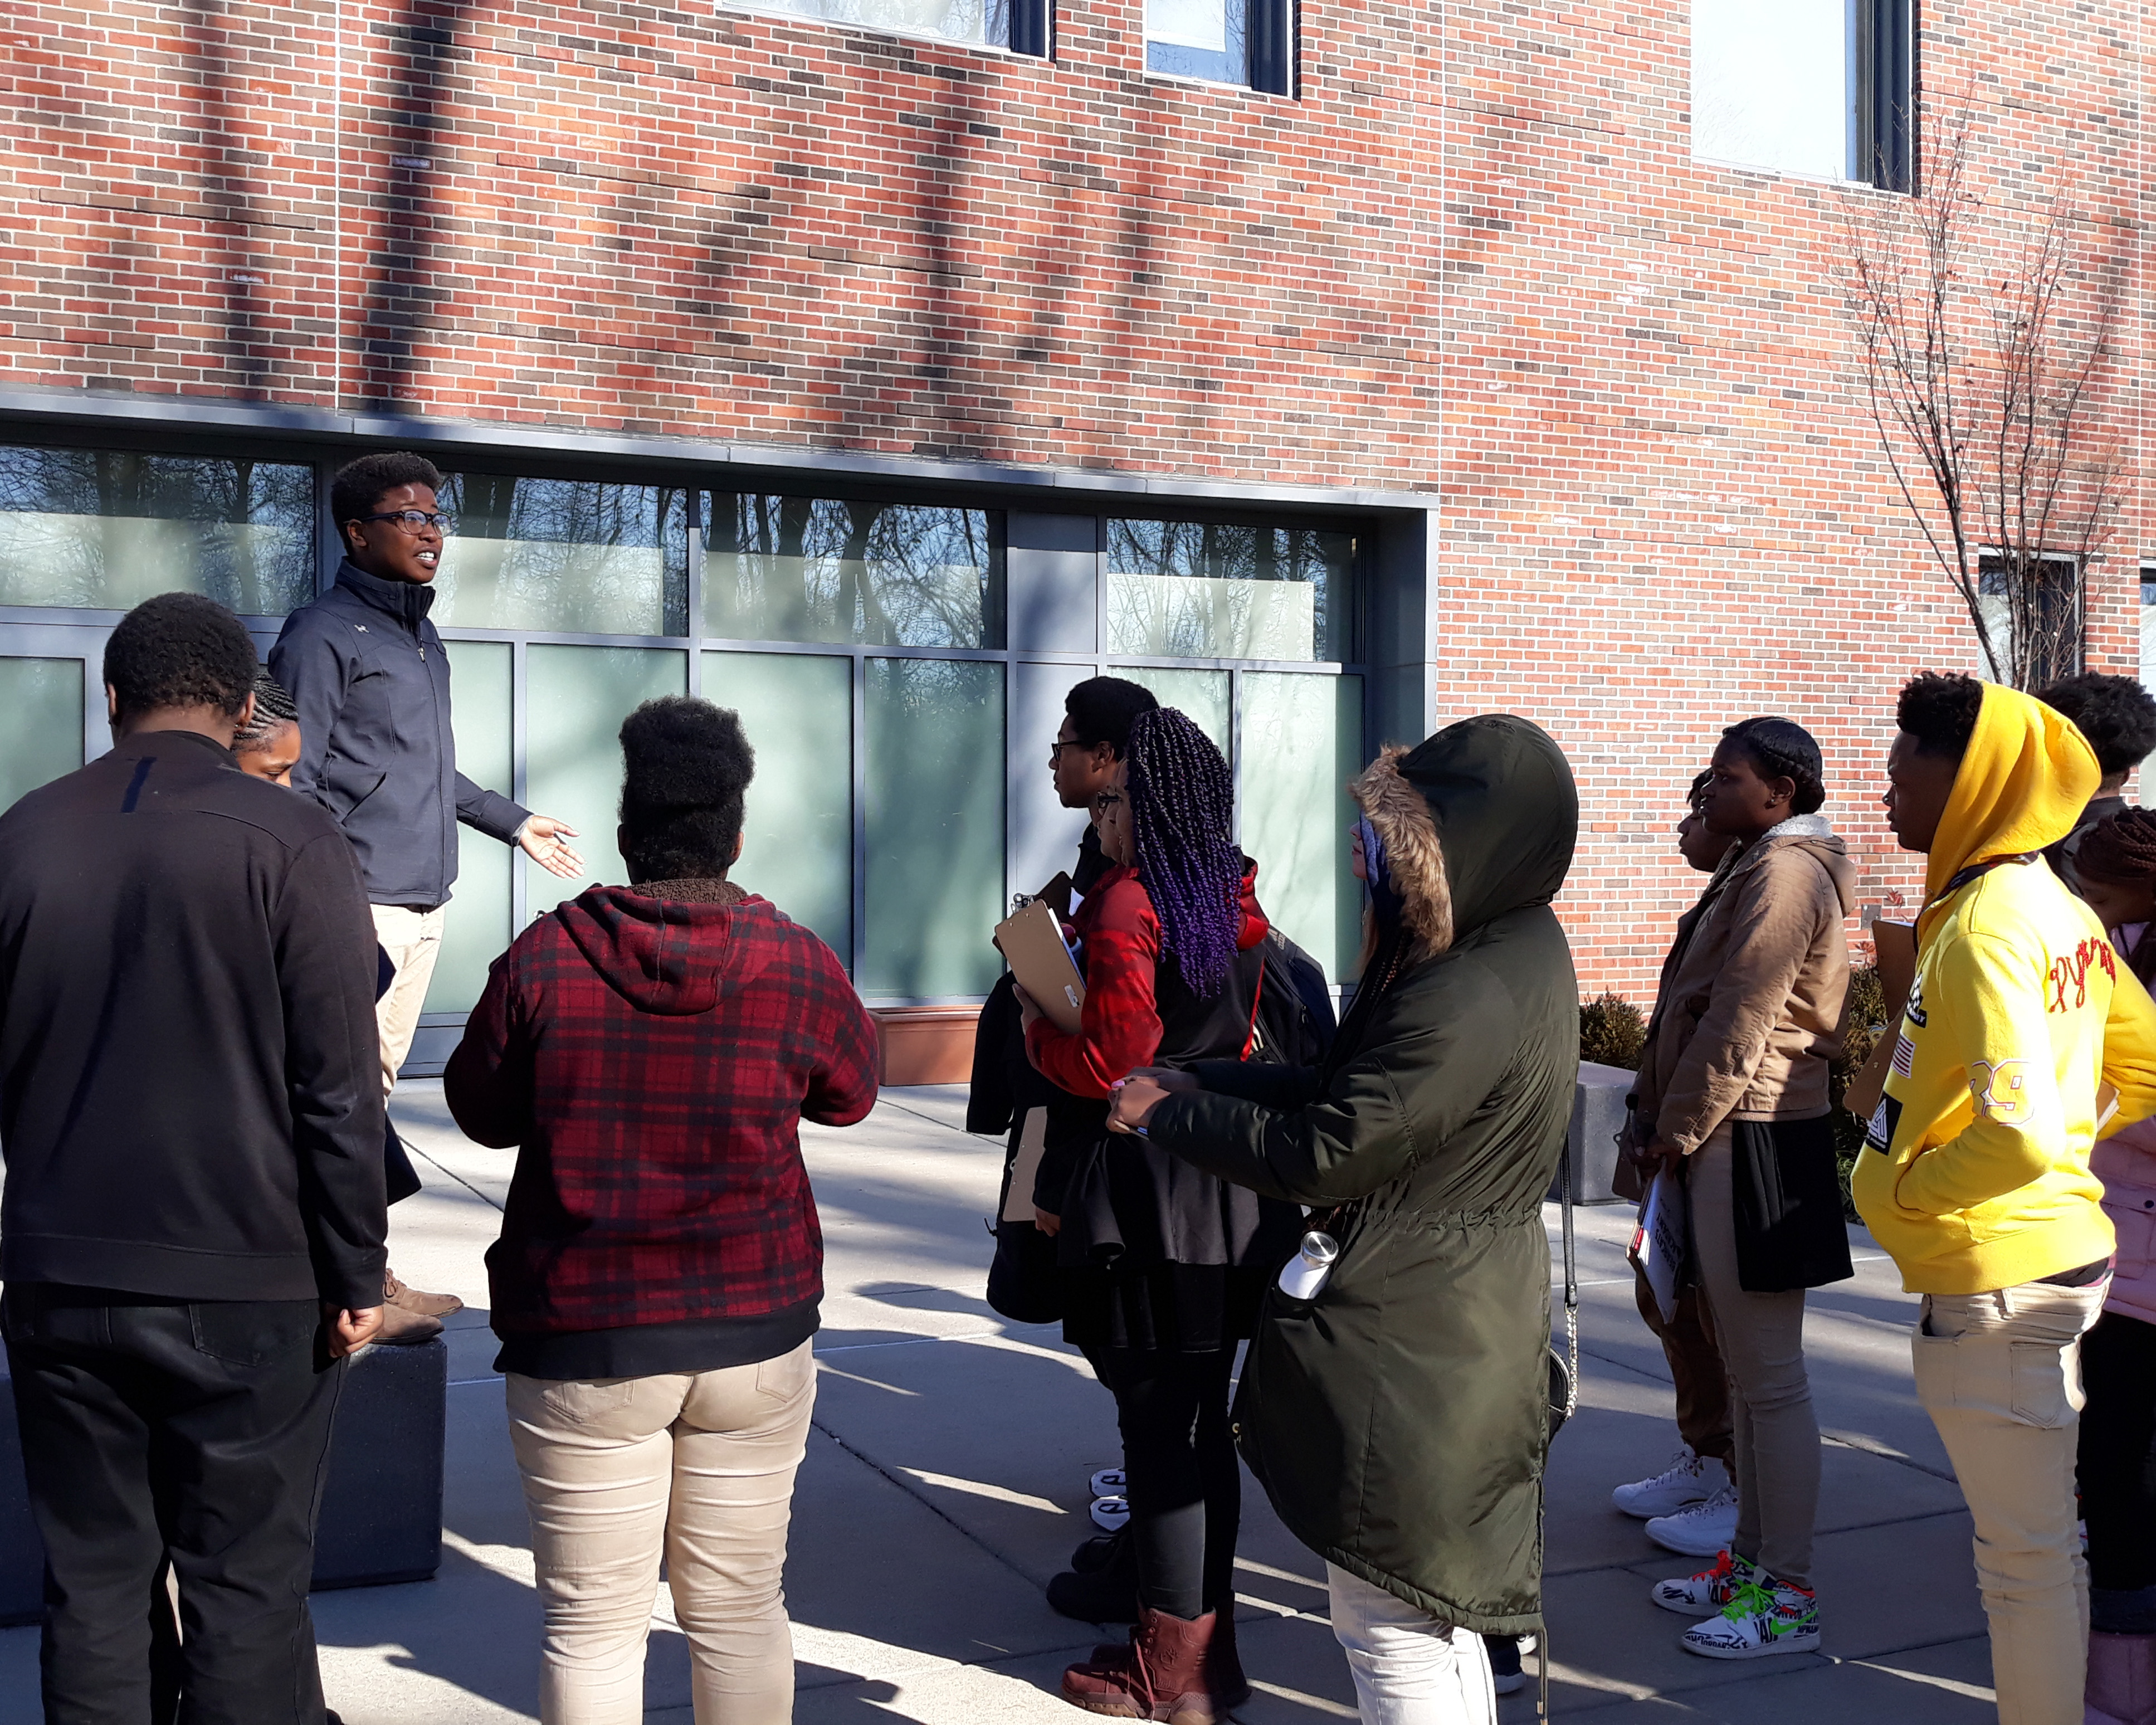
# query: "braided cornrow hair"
[1782,748]
[2121,849]
[1183,818]
[273,710]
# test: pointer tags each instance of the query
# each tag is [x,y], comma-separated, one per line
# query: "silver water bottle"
[1304,1274]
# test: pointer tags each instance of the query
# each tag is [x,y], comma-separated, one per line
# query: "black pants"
[2118,1456]
[197,1432]
[1185,1489]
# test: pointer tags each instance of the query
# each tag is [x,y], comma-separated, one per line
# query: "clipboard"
[1662,1241]
[1032,1142]
[1031,942]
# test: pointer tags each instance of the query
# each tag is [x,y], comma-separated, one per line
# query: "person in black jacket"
[191,1221]
[370,679]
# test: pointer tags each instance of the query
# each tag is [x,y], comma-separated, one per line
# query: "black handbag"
[1024,1283]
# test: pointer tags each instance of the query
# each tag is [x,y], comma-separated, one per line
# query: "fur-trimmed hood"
[1477,820]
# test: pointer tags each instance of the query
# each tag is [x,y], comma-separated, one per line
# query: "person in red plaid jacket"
[650,1050]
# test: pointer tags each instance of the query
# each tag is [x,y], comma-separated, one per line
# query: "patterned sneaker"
[1709,1590]
[1690,1479]
[1766,1617]
[1700,1530]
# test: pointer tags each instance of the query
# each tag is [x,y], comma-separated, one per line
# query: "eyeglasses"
[1056,750]
[413,521]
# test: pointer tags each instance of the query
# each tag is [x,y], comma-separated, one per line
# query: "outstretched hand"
[542,837]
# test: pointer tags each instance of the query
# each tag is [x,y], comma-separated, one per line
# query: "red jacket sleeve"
[488,1082]
[843,1087]
[1119,1029]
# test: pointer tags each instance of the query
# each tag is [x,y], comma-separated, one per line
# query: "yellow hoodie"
[1974,1174]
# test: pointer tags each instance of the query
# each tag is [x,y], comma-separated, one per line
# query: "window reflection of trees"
[824,569]
[1194,596]
[120,527]
[569,558]
[955,20]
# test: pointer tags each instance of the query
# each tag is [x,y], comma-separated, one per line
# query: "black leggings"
[1185,1489]
[2118,1459]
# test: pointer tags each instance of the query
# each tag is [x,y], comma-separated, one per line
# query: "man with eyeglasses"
[370,677]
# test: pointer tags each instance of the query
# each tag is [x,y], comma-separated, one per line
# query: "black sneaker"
[1505,1651]
[1101,1551]
[1104,1591]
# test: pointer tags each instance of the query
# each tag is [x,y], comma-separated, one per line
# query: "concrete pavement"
[946,1482]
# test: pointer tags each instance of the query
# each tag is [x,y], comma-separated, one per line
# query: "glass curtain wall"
[864,644]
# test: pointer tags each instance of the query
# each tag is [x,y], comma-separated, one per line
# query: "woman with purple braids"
[1163,1265]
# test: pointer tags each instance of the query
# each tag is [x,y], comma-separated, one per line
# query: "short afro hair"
[1782,748]
[1100,710]
[2115,714]
[1939,710]
[273,710]
[1699,781]
[361,485]
[181,650]
[686,768]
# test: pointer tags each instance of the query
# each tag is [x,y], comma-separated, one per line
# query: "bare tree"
[1984,362]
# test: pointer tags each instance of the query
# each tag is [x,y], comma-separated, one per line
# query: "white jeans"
[1409,1669]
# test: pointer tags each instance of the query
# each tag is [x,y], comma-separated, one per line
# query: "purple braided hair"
[1183,816]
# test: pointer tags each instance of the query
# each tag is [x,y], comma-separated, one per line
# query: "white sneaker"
[1107,1482]
[1764,1618]
[1690,1479]
[1702,1531]
[1111,1515]
[1710,1589]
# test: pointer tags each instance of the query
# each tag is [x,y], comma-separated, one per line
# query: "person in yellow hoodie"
[1974,1174]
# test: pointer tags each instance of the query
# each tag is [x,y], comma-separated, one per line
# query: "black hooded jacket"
[1399,1420]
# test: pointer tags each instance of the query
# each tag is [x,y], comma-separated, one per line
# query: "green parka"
[1399,1421]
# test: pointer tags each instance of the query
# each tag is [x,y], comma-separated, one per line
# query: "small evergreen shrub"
[1613,1032]
[1863,1023]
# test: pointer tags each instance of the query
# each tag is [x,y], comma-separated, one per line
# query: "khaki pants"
[1762,1338]
[696,1469]
[1999,1373]
[1697,1372]
[413,939]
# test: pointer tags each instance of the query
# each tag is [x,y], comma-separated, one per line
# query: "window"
[2149,625]
[1245,42]
[1824,87]
[563,555]
[1193,590]
[2036,639]
[105,530]
[1022,26]
[878,574]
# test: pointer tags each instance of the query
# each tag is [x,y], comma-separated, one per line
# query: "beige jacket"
[1752,1013]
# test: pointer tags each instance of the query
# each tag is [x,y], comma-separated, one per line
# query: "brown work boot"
[404,1328]
[412,1300]
[1161,1674]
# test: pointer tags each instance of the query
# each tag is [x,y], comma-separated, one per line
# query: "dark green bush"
[1613,1032]
[1862,1026]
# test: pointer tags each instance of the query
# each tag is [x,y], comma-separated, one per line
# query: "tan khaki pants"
[2000,1375]
[696,1469]
[1762,1339]
[413,939]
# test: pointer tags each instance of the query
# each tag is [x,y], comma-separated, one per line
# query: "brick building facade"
[1587,407]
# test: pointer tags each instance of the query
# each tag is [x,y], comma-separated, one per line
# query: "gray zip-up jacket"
[371,682]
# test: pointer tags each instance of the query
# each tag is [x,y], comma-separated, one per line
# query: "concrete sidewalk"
[946,1482]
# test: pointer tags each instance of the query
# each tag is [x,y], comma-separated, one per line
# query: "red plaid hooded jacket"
[651,1058]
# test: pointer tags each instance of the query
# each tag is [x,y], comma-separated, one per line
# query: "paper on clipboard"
[1662,1241]
[1031,942]
[1032,1140]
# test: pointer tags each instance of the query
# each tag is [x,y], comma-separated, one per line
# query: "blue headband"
[1377,875]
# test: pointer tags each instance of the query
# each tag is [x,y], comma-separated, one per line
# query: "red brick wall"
[1476,258]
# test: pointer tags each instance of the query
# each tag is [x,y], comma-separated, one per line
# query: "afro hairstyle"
[2115,714]
[360,486]
[687,769]
[181,650]
[1939,710]
[1100,710]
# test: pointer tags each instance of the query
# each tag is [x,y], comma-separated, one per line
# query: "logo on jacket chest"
[2069,974]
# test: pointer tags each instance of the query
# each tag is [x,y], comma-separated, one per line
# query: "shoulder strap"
[1257,999]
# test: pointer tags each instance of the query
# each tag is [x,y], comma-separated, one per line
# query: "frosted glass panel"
[40,723]
[476,931]
[1307,731]
[884,574]
[798,837]
[935,818]
[2144,780]
[1198,39]
[575,700]
[1204,696]
[1199,590]
[566,556]
[108,531]
[1772,84]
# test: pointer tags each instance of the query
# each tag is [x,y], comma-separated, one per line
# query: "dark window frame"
[1887,88]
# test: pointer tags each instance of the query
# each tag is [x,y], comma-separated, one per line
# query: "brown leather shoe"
[1162,1674]
[404,1328]
[412,1300]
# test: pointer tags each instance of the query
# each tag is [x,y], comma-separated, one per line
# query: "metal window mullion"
[1235,747]
[860,814]
[519,778]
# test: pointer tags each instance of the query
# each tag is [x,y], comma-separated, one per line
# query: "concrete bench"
[1598,1116]
[382,1505]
